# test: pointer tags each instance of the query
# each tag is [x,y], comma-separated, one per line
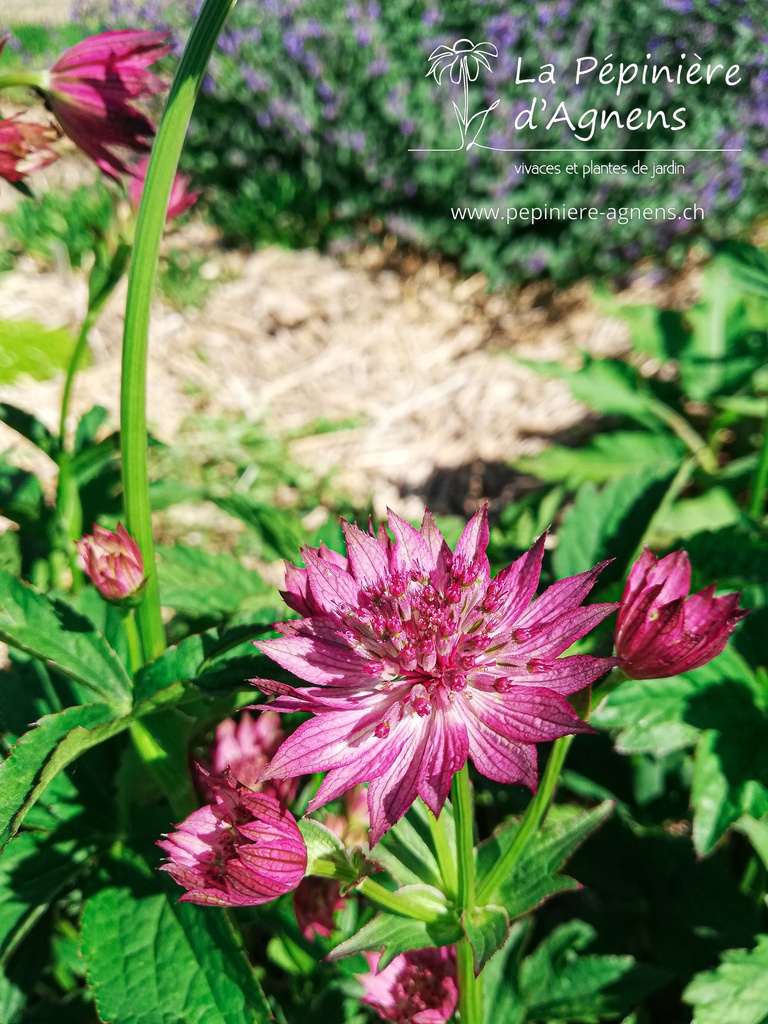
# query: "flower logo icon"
[463,61]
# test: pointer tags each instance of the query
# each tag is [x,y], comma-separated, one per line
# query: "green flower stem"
[470,997]
[531,820]
[396,903]
[28,79]
[696,444]
[134,644]
[445,858]
[760,481]
[149,231]
[74,365]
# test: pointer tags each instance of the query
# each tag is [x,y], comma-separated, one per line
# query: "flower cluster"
[418,987]
[417,660]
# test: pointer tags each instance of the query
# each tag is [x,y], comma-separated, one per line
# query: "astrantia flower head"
[91,90]
[418,659]
[661,630]
[24,148]
[418,987]
[243,748]
[114,564]
[240,851]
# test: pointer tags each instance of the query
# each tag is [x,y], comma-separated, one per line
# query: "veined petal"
[474,539]
[563,675]
[527,714]
[367,558]
[393,792]
[495,755]
[445,754]
[554,638]
[316,661]
[518,582]
[331,586]
[410,550]
[562,596]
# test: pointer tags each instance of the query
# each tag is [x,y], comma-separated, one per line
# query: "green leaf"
[609,523]
[152,960]
[200,585]
[27,347]
[63,639]
[323,846]
[21,498]
[392,935]
[736,992]
[406,851]
[33,871]
[23,772]
[502,1000]
[535,877]
[279,529]
[712,510]
[557,984]
[29,426]
[747,265]
[756,830]
[604,457]
[608,386]
[487,929]
[649,715]
[88,427]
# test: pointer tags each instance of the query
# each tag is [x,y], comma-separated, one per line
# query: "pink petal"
[367,559]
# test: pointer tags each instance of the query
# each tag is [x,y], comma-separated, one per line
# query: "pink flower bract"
[242,850]
[91,90]
[661,630]
[243,748]
[114,564]
[417,659]
[182,198]
[418,987]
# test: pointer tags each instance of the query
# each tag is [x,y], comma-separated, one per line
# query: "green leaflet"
[736,992]
[609,523]
[63,639]
[604,457]
[535,876]
[392,935]
[152,960]
[487,929]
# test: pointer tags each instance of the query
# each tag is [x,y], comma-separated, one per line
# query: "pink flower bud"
[91,90]
[242,850]
[418,987]
[113,562]
[661,630]
[24,148]
[181,199]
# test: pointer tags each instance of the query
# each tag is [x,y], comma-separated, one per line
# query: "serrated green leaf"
[604,457]
[63,639]
[713,510]
[22,771]
[29,426]
[535,876]
[736,992]
[487,929]
[392,935]
[152,960]
[609,386]
[558,984]
[609,523]
[502,1000]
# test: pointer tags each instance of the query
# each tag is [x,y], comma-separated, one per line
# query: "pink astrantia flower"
[114,564]
[182,197]
[243,749]
[418,659]
[418,987]
[91,90]
[24,148]
[242,850]
[661,630]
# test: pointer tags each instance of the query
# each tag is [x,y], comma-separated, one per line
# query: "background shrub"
[311,108]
